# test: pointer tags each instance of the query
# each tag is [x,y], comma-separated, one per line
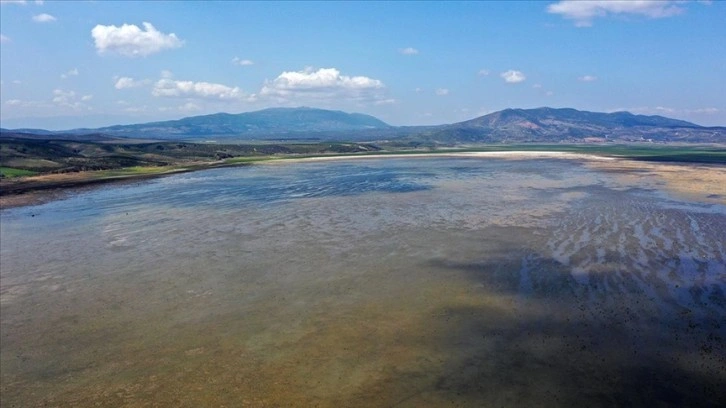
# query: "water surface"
[376,282]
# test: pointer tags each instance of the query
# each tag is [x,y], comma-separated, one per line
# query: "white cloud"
[483,72]
[587,78]
[63,97]
[131,41]
[242,62]
[324,83]
[707,111]
[189,107]
[86,98]
[20,2]
[69,99]
[43,18]
[73,72]
[537,86]
[4,38]
[583,12]
[389,101]
[408,51]
[17,82]
[136,109]
[665,110]
[126,82]
[442,92]
[512,76]
[171,88]
[26,104]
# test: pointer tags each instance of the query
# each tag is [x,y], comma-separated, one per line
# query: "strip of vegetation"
[13,172]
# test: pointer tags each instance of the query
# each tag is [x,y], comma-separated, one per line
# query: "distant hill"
[540,125]
[267,123]
[552,125]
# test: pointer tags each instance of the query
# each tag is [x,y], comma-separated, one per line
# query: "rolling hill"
[267,123]
[540,125]
[552,125]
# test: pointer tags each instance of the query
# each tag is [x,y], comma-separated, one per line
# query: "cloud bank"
[323,83]
[189,89]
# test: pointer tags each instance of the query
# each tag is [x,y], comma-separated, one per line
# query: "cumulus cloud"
[127,82]
[442,92]
[4,39]
[86,98]
[587,78]
[408,51]
[584,12]
[131,41]
[242,62]
[43,18]
[513,76]
[324,83]
[168,87]
[73,72]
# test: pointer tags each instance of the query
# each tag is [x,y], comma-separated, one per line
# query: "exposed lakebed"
[375,282]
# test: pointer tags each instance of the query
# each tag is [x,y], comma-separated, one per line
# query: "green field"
[12,172]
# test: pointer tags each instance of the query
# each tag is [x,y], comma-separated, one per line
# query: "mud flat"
[692,181]
[420,282]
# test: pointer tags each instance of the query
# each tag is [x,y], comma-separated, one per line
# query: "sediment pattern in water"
[426,282]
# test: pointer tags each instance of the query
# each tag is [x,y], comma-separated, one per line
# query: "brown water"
[398,282]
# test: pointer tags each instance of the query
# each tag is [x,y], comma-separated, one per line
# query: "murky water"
[382,282]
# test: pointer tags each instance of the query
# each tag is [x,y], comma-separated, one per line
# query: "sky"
[67,64]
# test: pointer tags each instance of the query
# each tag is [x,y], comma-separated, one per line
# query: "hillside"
[540,125]
[267,123]
[551,125]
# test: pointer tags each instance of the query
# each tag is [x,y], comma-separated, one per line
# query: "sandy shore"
[705,183]
[502,155]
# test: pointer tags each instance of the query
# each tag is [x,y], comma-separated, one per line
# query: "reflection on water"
[397,282]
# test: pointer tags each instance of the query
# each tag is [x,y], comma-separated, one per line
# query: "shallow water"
[381,282]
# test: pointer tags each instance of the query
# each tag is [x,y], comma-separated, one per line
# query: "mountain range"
[547,125]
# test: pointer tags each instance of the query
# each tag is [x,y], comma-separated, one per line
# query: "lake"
[410,282]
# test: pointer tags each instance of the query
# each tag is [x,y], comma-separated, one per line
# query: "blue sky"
[86,64]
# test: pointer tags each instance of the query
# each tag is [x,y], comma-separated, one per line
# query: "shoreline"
[36,190]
